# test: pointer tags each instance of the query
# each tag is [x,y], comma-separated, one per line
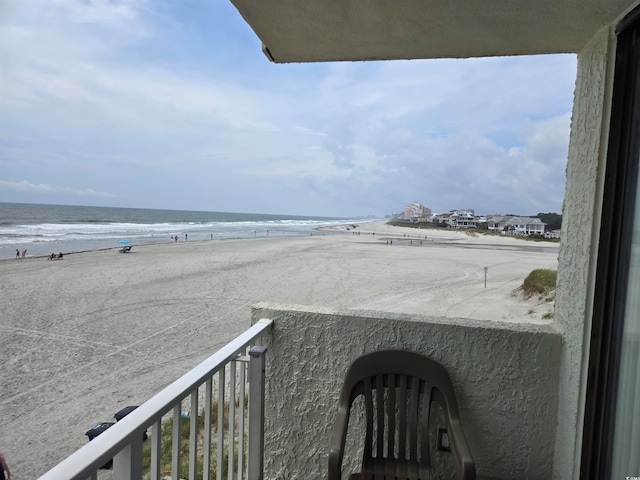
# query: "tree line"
[553,220]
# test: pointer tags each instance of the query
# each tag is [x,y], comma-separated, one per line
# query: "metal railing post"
[127,464]
[175,441]
[156,443]
[256,412]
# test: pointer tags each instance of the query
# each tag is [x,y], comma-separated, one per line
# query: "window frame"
[614,253]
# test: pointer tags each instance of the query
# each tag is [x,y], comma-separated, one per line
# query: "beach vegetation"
[481,228]
[166,445]
[553,220]
[548,315]
[541,282]
[397,222]
[495,233]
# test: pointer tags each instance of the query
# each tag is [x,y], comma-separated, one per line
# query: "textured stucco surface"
[577,260]
[505,377]
[318,31]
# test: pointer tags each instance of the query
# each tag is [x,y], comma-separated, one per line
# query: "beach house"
[554,401]
[517,225]
[462,219]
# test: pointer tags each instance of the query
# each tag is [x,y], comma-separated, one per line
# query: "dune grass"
[166,440]
[539,282]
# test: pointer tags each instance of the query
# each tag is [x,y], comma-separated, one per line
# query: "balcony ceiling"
[334,30]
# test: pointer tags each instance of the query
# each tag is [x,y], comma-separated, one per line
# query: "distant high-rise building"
[416,212]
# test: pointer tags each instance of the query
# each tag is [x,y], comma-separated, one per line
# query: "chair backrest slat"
[413,419]
[380,391]
[402,430]
[368,402]
[391,415]
[424,432]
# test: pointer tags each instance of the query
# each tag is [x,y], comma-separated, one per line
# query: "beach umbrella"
[124,241]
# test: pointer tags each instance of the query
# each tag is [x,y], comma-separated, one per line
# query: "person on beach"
[24,253]
[17,253]
[5,473]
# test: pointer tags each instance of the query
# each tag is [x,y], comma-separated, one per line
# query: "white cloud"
[109,12]
[44,188]
[94,87]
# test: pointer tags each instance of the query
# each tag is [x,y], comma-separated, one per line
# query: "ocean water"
[43,229]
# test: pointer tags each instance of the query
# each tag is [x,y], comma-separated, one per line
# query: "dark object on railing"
[98,429]
[392,382]
[120,414]
[94,432]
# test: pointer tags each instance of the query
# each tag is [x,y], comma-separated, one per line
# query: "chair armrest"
[461,452]
[336,445]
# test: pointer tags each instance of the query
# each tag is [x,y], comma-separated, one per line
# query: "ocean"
[46,229]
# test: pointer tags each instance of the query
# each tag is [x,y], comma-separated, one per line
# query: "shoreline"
[149,244]
[372,227]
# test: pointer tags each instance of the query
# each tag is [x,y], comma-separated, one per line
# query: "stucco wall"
[505,377]
[578,251]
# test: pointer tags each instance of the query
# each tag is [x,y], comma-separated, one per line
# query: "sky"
[171,104]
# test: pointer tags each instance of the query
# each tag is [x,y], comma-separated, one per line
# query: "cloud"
[180,97]
[45,189]
[101,12]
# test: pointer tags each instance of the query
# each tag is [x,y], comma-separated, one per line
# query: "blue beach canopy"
[124,241]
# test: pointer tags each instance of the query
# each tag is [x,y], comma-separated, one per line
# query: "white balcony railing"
[220,382]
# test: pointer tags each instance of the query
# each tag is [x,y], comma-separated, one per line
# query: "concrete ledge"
[505,377]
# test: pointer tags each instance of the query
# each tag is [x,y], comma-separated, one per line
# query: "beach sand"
[85,336]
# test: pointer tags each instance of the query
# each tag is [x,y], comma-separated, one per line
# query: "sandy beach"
[96,331]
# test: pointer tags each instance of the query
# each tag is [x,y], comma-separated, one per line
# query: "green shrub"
[539,282]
